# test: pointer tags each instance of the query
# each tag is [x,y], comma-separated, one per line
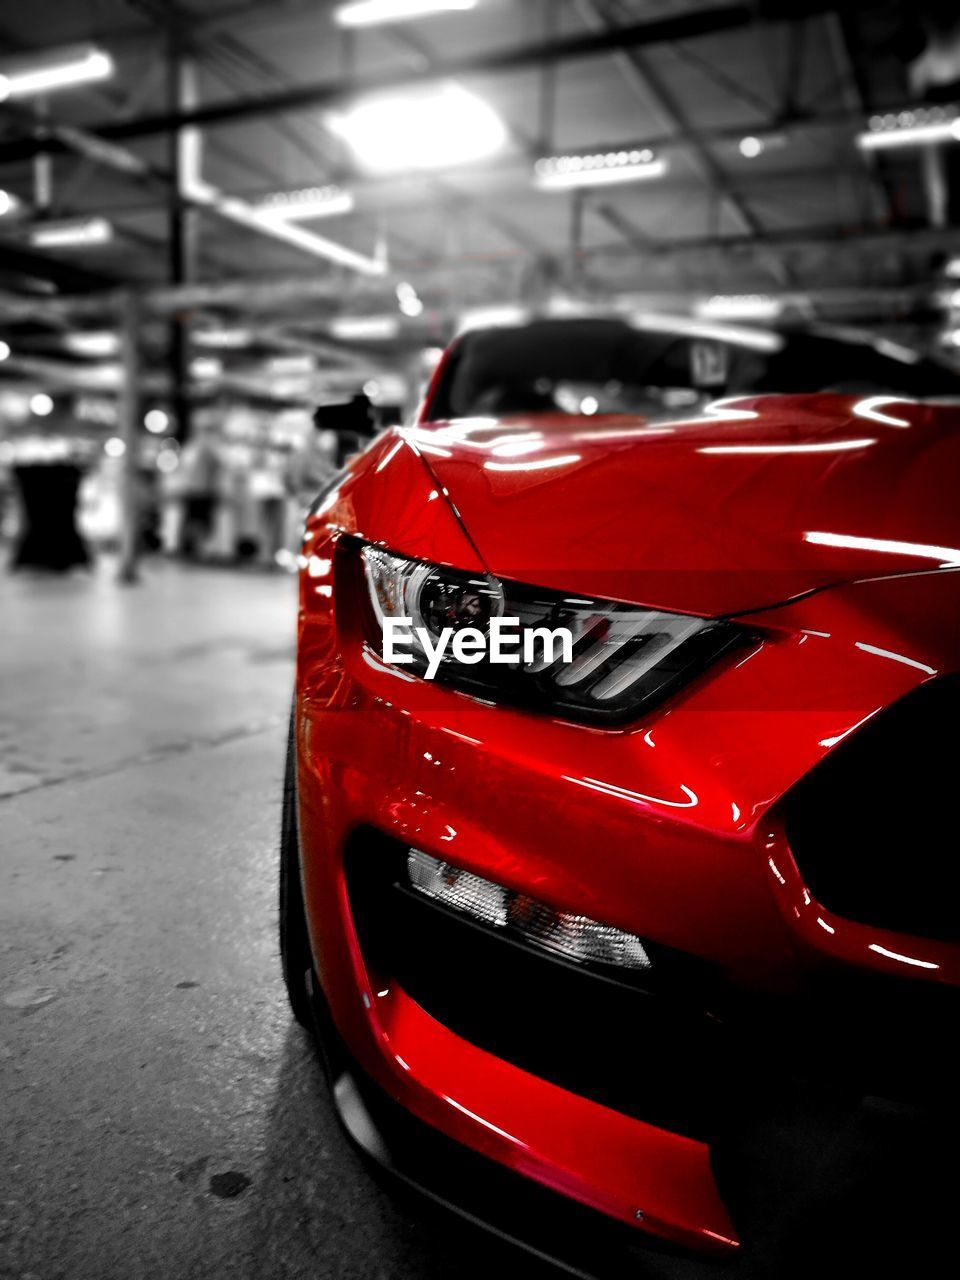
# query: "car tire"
[295,955]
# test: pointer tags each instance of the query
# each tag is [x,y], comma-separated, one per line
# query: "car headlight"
[623,658]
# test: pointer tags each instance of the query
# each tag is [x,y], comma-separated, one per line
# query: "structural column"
[182,228]
[128,405]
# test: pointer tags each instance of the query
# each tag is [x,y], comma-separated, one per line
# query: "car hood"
[750,503]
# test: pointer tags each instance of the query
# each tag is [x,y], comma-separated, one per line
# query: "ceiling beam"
[652,87]
[530,56]
[277,291]
[17,260]
[20,149]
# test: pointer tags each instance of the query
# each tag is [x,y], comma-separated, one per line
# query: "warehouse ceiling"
[746,114]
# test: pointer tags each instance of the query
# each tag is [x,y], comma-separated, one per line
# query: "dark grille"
[874,827]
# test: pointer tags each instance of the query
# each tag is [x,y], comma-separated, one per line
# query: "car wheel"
[295,952]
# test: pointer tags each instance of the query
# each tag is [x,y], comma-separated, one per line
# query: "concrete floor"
[146,1049]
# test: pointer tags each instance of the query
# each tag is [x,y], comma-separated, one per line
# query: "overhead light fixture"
[156,421]
[55,71]
[206,367]
[952,269]
[226,339]
[751,147]
[952,338]
[560,173]
[41,404]
[80,234]
[428,129]
[370,13]
[408,300]
[364,328]
[925,126]
[308,202]
[740,306]
[93,344]
[4,350]
[8,203]
[294,362]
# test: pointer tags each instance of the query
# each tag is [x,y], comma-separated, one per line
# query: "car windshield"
[604,366]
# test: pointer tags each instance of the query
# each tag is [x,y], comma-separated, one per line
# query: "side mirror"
[354,416]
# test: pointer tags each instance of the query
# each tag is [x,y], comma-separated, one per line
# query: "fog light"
[574,937]
[459,890]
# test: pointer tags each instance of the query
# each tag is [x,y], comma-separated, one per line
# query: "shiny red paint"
[753,502]
[669,828]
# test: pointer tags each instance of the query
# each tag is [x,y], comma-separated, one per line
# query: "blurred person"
[269,494]
[199,480]
[308,471]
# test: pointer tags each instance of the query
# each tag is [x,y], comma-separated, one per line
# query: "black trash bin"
[49,538]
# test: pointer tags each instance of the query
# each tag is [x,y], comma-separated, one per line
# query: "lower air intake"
[873,828]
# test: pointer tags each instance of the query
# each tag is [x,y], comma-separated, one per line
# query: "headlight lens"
[624,658]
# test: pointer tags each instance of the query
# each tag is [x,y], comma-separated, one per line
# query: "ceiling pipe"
[201,194]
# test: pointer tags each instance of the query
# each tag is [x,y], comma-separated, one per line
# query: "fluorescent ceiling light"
[8,203]
[368,13]
[741,306]
[64,235]
[93,344]
[75,66]
[229,339]
[156,421]
[206,367]
[408,300]
[294,362]
[560,173]
[4,350]
[952,269]
[41,404]
[426,129]
[364,328]
[923,127]
[308,202]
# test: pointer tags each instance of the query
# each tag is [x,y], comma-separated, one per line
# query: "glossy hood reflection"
[748,503]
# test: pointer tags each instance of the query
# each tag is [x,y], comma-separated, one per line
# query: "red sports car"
[653,941]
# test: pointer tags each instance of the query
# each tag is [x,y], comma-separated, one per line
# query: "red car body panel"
[711,515]
[671,827]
